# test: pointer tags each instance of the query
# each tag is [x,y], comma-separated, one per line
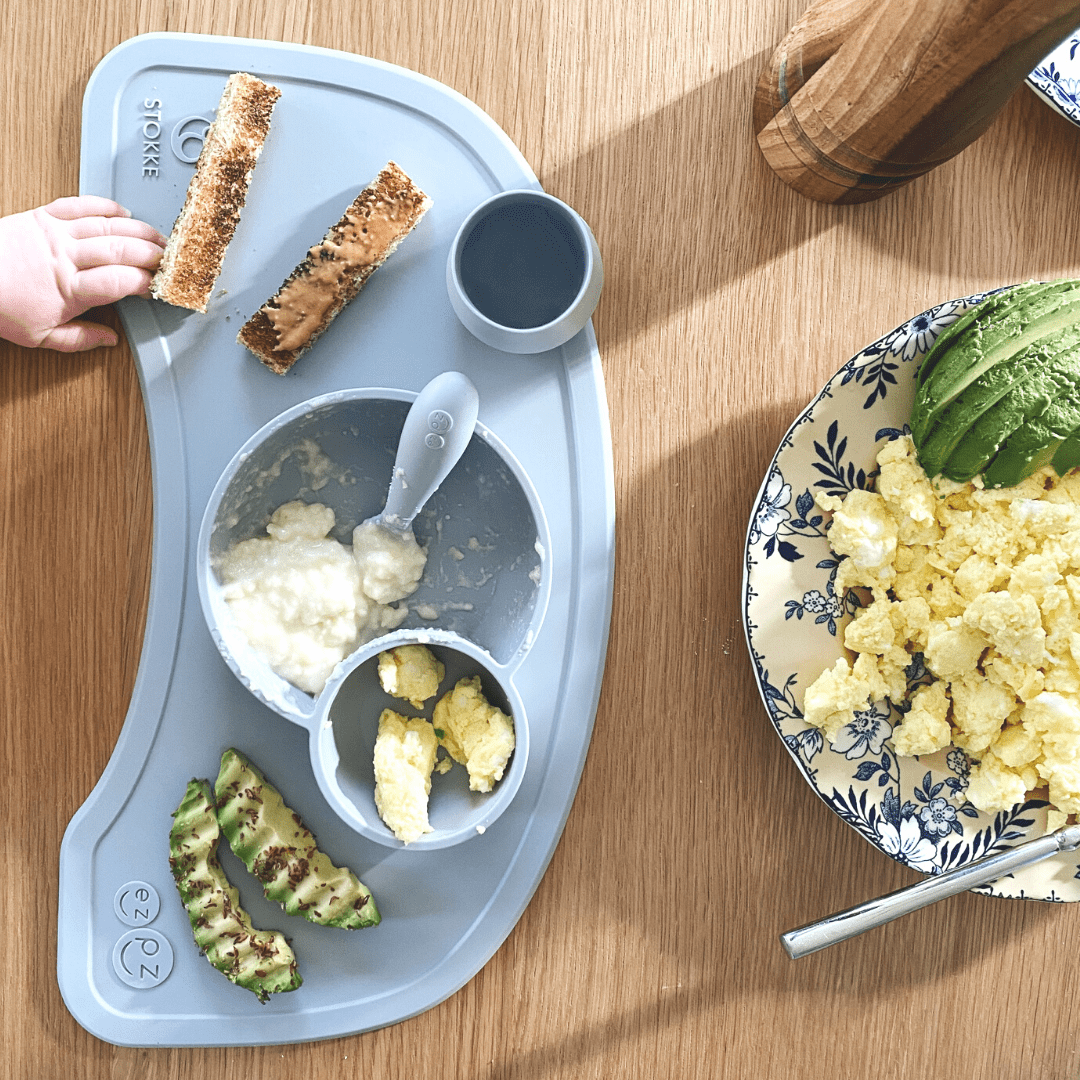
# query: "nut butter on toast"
[215,196]
[335,270]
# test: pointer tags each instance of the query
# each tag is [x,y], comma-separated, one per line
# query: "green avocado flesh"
[985,310]
[1068,455]
[1035,444]
[999,393]
[273,843]
[258,960]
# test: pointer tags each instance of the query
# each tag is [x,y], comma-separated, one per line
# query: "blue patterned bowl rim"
[1057,78]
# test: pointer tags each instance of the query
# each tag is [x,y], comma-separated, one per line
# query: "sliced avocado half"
[981,310]
[975,424]
[1036,443]
[276,846]
[1005,385]
[258,960]
[1039,375]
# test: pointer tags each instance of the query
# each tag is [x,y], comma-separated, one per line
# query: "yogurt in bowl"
[304,600]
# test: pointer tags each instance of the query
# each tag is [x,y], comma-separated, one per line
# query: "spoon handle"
[437,430]
[857,920]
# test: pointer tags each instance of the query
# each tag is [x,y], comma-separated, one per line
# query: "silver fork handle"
[857,920]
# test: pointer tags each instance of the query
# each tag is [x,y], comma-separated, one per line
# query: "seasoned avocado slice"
[281,852]
[1035,444]
[1067,456]
[983,439]
[258,960]
[998,333]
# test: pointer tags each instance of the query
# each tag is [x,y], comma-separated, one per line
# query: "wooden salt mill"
[862,96]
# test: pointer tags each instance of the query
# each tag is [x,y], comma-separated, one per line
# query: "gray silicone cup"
[532,339]
[487,579]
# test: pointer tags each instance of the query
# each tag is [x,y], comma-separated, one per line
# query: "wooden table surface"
[650,948]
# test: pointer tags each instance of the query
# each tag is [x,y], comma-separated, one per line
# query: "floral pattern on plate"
[1057,79]
[913,809]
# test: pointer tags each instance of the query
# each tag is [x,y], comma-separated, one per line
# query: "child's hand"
[60,260]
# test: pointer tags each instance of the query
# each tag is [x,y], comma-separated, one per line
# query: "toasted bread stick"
[335,270]
[216,194]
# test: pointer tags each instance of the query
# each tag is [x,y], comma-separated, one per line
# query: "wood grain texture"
[650,948]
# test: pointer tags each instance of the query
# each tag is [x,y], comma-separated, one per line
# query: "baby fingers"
[105,284]
[115,251]
[77,206]
[78,336]
[85,228]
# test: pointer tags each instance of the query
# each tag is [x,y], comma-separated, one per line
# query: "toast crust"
[335,270]
[216,194]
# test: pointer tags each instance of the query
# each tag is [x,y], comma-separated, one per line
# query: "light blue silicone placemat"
[340,118]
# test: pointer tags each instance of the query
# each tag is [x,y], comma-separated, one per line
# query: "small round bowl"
[524,272]
[347,723]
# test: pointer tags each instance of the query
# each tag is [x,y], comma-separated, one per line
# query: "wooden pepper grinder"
[862,96]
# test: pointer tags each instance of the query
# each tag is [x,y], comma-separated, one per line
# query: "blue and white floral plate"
[1057,79]
[913,809]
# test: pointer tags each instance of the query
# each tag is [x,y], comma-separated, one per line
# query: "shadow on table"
[1025,168]
[683,204]
[670,199]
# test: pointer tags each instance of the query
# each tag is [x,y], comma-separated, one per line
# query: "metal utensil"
[857,920]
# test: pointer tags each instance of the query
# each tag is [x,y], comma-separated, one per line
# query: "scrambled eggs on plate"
[984,583]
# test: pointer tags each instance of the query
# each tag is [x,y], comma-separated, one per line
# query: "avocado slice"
[972,427]
[1067,456]
[1036,443]
[982,310]
[274,844]
[1000,330]
[1033,379]
[258,960]
[980,442]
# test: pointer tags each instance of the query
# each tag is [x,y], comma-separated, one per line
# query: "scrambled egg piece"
[985,583]
[405,752]
[410,672]
[925,727]
[863,529]
[475,733]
